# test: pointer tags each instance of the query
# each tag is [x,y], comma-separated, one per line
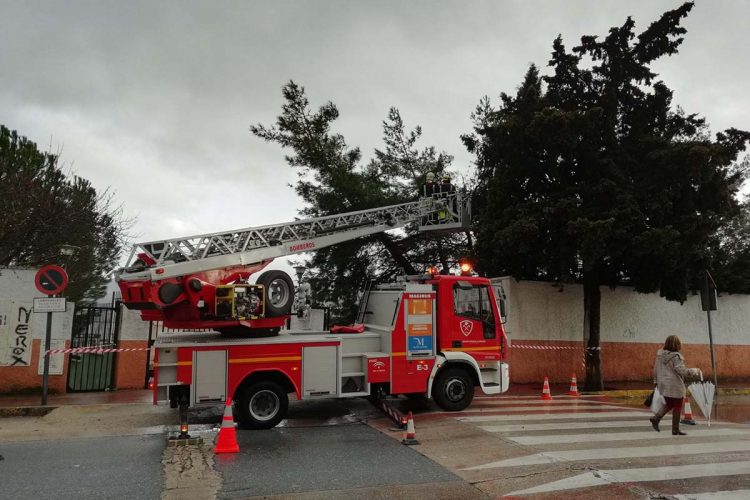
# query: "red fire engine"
[436,335]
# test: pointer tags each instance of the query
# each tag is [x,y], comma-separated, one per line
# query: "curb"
[25,411]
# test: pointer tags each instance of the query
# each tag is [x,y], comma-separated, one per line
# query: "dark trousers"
[674,404]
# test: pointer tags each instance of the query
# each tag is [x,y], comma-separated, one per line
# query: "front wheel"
[261,405]
[453,389]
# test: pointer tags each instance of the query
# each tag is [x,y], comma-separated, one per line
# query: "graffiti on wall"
[15,333]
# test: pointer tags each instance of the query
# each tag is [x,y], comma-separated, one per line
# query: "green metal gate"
[94,326]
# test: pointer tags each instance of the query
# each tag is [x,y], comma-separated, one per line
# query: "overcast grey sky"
[154,99]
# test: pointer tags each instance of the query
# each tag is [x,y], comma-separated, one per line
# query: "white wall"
[543,311]
[17,292]
[132,327]
[17,285]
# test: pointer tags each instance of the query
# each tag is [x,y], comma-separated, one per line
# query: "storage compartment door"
[209,377]
[319,371]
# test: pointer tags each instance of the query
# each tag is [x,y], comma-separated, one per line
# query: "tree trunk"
[469,242]
[441,256]
[592,299]
[395,251]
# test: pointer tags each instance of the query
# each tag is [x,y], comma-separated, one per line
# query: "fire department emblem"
[466,327]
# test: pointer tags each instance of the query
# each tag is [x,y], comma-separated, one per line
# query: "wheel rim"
[278,292]
[455,390]
[264,405]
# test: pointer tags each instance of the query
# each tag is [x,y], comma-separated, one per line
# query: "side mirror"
[501,299]
[503,312]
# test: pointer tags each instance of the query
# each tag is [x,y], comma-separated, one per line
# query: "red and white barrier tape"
[560,348]
[94,350]
[552,347]
[99,350]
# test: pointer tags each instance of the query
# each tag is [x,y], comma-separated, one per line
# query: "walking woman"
[670,373]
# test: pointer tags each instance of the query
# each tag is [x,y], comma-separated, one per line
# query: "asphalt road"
[343,457]
[109,467]
[327,450]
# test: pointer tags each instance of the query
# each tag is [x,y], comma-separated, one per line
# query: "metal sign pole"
[711,343]
[709,291]
[47,342]
[50,280]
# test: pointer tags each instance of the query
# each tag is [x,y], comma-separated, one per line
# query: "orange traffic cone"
[227,439]
[574,387]
[545,389]
[687,417]
[410,436]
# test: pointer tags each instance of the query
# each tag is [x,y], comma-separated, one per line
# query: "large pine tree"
[591,175]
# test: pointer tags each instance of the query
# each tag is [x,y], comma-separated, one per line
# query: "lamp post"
[300,271]
[68,251]
[301,295]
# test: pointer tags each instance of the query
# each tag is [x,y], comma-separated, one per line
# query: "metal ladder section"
[363,302]
[252,245]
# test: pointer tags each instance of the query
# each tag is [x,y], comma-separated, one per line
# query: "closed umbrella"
[703,393]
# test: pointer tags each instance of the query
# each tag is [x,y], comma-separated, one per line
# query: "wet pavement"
[78,398]
[318,459]
[108,467]
[597,446]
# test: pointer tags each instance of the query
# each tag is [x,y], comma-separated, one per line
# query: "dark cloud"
[155,98]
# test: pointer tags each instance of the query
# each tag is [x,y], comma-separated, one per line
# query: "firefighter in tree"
[445,188]
[429,187]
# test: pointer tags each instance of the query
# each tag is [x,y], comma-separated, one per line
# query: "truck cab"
[446,337]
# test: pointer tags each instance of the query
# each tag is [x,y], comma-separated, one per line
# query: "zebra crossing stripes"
[621,436]
[551,404]
[670,450]
[556,416]
[567,425]
[588,432]
[560,396]
[521,409]
[716,495]
[671,472]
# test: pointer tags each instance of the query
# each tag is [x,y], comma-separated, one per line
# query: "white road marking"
[623,436]
[587,406]
[566,425]
[562,396]
[610,453]
[541,402]
[716,495]
[668,473]
[557,416]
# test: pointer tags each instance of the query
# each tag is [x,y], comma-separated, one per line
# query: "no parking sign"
[51,280]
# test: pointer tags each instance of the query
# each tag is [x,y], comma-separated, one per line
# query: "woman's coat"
[670,373]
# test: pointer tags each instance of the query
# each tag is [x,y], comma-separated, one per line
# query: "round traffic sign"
[51,280]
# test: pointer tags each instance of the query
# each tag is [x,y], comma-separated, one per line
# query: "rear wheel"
[453,389]
[261,405]
[279,292]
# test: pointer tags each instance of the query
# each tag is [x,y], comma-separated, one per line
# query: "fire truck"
[435,335]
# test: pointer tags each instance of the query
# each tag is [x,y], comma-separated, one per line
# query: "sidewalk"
[77,398]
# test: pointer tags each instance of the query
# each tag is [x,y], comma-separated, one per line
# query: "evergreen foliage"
[333,179]
[43,209]
[592,175]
